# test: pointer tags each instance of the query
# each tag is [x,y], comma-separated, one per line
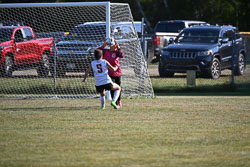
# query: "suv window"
[124,32]
[87,32]
[169,27]
[94,31]
[198,36]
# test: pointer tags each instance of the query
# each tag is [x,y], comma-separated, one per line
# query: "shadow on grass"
[44,89]
[82,108]
[242,89]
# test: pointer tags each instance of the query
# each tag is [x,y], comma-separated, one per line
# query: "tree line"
[229,12]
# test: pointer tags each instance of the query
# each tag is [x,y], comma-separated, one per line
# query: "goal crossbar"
[69,4]
[20,5]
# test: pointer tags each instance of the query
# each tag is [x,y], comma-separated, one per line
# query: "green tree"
[233,12]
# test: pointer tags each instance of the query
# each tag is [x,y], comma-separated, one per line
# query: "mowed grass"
[165,131]
[177,85]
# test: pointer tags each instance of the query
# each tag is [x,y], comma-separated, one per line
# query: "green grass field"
[172,131]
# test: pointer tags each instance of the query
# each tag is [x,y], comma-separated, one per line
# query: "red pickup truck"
[19,49]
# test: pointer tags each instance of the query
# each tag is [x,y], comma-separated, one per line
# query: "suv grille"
[183,55]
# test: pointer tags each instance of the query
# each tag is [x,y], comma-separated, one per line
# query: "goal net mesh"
[54,62]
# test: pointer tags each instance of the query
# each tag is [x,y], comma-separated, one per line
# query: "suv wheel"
[241,65]
[164,73]
[43,69]
[215,69]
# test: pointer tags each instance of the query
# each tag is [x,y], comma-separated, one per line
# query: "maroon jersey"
[113,59]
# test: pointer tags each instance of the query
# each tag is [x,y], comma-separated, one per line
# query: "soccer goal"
[46,48]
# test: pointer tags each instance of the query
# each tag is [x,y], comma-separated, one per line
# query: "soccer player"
[102,80]
[112,52]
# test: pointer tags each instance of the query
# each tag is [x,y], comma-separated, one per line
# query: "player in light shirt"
[102,80]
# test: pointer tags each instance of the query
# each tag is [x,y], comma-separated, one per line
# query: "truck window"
[173,27]
[27,34]
[194,24]
[228,34]
[18,36]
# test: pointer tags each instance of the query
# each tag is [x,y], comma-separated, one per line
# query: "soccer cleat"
[103,108]
[119,105]
[113,104]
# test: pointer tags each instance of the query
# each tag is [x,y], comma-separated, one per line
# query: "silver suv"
[75,51]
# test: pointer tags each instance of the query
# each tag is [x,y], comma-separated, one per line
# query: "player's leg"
[102,99]
[117,89]
[111,91]
[116,80]
[101,90]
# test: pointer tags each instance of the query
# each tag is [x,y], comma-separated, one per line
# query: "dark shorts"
[116,80]
[100,88]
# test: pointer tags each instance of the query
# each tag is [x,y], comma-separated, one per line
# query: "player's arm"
[119,52]
[117,45]
[87,73]
[111,67]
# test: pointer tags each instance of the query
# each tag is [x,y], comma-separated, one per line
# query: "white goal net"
[45,49]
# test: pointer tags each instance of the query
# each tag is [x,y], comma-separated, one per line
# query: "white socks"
[108,95]
[116,95]
[102,99]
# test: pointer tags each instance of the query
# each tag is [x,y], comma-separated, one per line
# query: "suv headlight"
[205,53]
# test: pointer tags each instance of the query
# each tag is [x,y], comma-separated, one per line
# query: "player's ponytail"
[98,54]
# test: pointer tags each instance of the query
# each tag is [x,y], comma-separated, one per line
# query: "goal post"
[45,69]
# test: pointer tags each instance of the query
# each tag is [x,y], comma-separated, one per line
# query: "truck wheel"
[241,65]
[215,69]
[43,69]
[8,66]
